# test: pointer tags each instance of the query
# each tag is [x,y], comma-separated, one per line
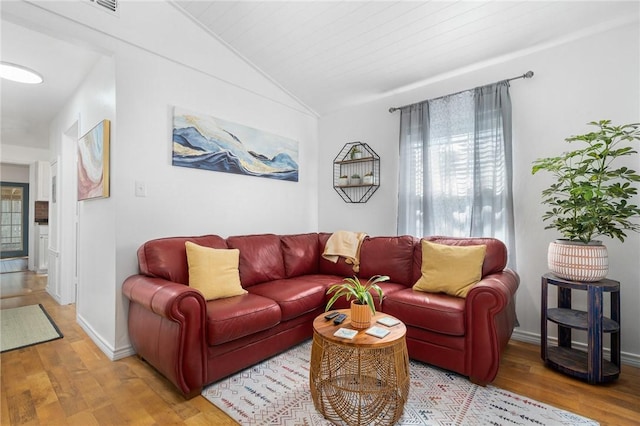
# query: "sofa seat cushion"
[436,312]
[234,317]
[295,296]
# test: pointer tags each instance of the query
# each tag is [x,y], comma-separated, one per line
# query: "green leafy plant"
[344,177]
[352,287]
[355,150]
[369,174]
[355,176]
[590,196]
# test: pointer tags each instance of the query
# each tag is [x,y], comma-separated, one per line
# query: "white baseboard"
[53,294]
[123,352]
[109,351]
[626,358]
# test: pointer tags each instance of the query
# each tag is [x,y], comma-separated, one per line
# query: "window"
[455,155]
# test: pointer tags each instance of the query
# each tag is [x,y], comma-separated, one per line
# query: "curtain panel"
[456,166]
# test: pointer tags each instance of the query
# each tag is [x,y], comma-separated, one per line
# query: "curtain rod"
[528,74]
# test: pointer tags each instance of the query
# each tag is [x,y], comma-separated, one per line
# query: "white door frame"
[68,234]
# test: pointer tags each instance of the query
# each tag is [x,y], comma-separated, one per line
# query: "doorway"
[63,221]
[14,228]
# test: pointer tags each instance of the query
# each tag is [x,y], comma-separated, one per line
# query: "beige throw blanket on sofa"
[344,244]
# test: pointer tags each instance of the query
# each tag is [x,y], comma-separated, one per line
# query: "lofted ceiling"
[327,54]
[332,54]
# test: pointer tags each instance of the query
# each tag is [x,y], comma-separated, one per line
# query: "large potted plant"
[362,307]
[590,197]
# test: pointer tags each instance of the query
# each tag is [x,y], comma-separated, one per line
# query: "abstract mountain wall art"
[210,143]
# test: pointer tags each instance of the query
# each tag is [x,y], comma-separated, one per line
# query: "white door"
[68,201]
[53,286]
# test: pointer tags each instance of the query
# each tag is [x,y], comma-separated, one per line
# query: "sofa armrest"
[158,295]
[491,317]
[167,328]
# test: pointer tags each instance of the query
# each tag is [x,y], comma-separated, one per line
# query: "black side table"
[591,365]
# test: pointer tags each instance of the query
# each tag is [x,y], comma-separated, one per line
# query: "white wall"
[14,173]
[16,154]
[588,79]
[172,63]
[183,201]
[93,101]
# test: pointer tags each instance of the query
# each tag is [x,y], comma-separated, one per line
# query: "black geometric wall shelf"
[356,172]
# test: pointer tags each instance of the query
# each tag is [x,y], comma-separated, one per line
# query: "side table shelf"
[587,365]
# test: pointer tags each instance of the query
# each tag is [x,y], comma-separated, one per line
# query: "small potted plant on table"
[362,307]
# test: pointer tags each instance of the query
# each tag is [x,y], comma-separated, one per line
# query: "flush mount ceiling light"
[19,73]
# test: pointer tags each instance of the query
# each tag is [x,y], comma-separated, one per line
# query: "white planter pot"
[367,180]
[577,261]
[354,181]
[343,181]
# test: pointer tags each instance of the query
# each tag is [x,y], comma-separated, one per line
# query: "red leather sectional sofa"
[193,342]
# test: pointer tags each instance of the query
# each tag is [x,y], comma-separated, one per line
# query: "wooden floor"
[70,381]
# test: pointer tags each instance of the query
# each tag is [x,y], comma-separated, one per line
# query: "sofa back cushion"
[167,257]
[392,256]
[340,268]
[260,258]
[450,269]
[495,259]
[214,272]
[301,254]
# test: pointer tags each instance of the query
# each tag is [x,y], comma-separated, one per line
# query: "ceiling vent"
[110,5]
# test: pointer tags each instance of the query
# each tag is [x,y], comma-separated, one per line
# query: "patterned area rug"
[276,392]
[26,326]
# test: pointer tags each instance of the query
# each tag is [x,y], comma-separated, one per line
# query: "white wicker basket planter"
[577,261]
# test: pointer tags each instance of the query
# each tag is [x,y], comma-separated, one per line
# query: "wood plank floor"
[70,381]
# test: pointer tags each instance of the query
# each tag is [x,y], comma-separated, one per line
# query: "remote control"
[331,315]
[339,319]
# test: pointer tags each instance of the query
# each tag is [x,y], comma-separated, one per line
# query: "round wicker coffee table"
[359,381]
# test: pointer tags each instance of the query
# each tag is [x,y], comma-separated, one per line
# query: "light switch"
[141,189]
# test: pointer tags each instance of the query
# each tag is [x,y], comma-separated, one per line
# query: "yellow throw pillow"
[214,271]
[450,269]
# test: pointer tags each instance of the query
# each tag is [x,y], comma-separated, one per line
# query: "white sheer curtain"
[455,166]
